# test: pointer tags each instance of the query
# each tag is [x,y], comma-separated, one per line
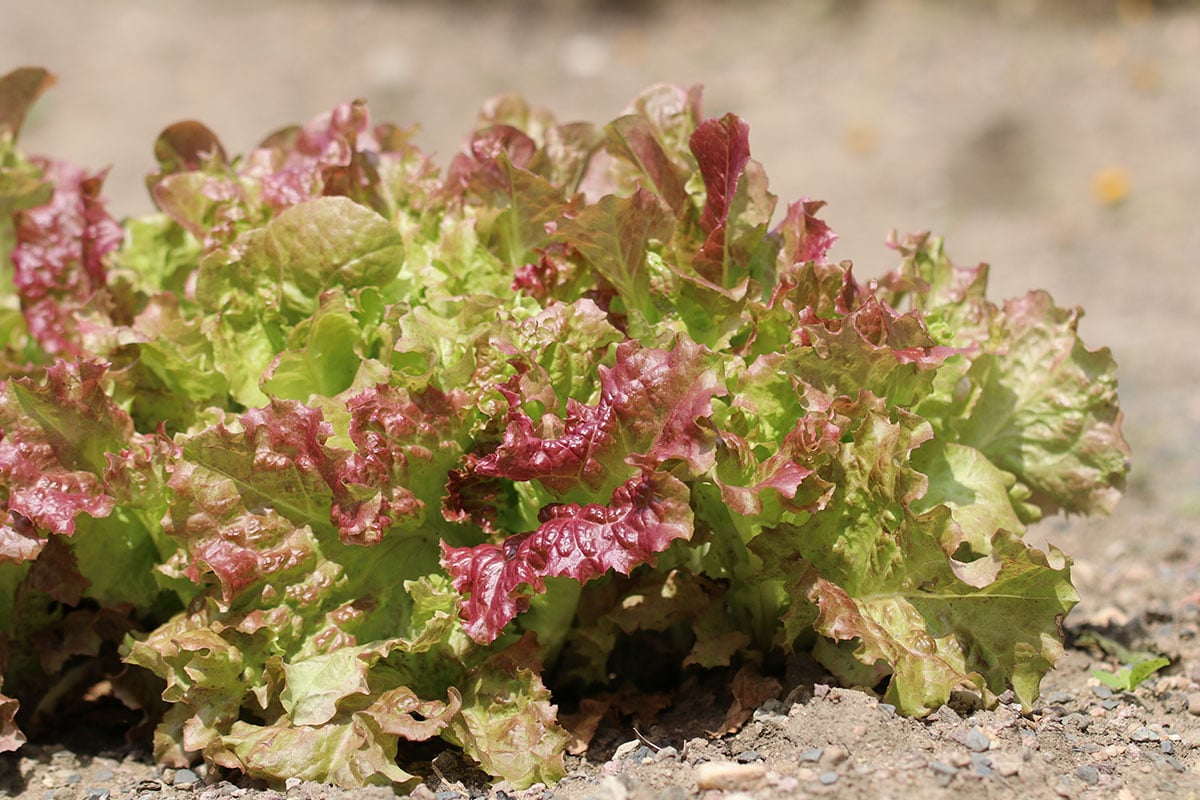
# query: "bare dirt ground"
[1057,141]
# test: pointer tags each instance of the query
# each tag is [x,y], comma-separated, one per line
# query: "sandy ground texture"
[1057,141]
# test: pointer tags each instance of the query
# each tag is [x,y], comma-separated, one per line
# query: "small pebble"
[666,753]
[1103,692]
[1176,764]
[625,749]
[1111,703]
[1006,766]
[771,706]
[292,783]
[942,768]
[728,775]
[888,709]
[74,777]
[640,755]
[185,777]
[447,794]
[977,740]
[812,755]
[828,777]
[1060,698]
[748,757]
[1088,774]
[834,755]
[1194,703]
[1143,734]
[96,794]
[103,774]
[1167,746]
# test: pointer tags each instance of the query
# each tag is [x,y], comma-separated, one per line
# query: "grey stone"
[1103,692]
[1088,774]
[666,753]
[1110,703]
[625,749]
[1143,734]
[748,756]
[828,777]
[977,740]
[1167,746]
[1060,698]
[94,793]
[185,777]
[1176,764]
[942,768]
[74,777]
[812,755]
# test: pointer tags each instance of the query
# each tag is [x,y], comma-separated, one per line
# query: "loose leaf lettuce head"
[355,453]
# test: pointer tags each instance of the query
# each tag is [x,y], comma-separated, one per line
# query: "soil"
[1055,139]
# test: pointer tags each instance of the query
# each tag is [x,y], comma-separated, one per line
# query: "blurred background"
[1058,140]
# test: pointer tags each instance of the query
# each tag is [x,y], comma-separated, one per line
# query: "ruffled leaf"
[643,517]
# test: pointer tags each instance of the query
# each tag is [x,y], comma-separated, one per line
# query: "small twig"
[644,739]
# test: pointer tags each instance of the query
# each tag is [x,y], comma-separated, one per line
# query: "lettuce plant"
[352,452]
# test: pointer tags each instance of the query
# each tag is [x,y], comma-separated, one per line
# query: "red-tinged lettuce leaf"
[1045,409]
[613,236]
[952,299]
[60,253]
[53,453]
[632,139]
[188,146]
[805,238]
[246,501]
[243,549]
[643,517]
[243,495]
[564,151]
[872,348]
[557,351]
[521,207]
[870,570]
[19,90]
[722,150]
[651,402]
[507,722]
[356,749]
[407,444]
[73,466]
[11,737]
[22,186]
